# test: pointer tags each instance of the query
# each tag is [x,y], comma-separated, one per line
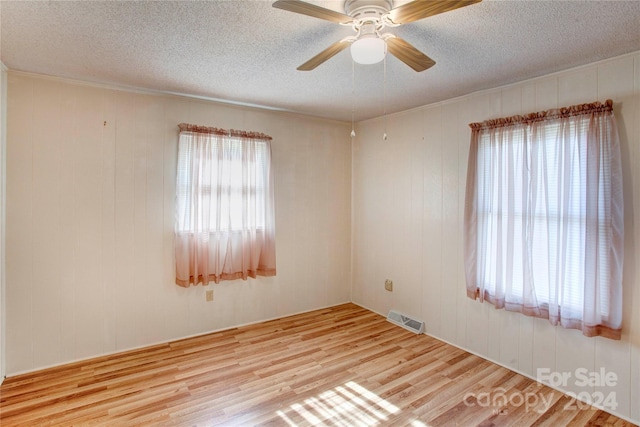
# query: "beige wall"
[90,198]
[408,197]
[3,128]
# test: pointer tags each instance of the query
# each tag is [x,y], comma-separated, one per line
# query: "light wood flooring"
[342,366]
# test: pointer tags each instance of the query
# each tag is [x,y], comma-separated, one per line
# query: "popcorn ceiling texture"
[247,51]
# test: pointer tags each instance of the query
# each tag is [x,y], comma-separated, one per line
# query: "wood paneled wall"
[408,202]
[90,214]
[3,163]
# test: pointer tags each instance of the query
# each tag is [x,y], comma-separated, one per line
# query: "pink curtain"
[544,217]
[225,224]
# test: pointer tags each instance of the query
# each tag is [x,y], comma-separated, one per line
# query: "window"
[543,217]
[231,179]
[224,206]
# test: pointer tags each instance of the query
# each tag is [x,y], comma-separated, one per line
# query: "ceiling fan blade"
[326,54]
[420,9]
[408,54]
[312,10]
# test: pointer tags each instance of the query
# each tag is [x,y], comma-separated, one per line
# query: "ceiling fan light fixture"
[368,49]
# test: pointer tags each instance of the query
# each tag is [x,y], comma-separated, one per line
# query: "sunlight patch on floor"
[346,405]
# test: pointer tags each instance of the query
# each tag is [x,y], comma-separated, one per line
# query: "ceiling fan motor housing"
[367,10]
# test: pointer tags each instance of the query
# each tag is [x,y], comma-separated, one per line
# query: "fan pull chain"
[353,95]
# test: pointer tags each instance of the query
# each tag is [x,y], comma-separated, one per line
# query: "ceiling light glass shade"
[368,49]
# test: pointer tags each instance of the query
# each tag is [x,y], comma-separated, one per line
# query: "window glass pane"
[229,176]
[532,190]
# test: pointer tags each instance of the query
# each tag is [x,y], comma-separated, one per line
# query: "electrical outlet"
[210,295]
[388,285]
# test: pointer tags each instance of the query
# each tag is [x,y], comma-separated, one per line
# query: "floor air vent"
[406,322]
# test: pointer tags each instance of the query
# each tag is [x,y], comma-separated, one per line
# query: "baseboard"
[112,353]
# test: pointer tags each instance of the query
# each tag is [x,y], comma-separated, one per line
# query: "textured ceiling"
[247,51]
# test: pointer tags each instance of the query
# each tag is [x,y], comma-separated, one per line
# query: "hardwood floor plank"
[338,366]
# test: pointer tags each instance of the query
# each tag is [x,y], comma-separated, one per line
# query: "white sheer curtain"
[544,217]
[225,224]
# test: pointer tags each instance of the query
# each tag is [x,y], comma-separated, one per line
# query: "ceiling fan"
[368,18]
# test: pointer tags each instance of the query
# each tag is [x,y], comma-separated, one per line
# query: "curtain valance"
[186,127]
[557,113]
